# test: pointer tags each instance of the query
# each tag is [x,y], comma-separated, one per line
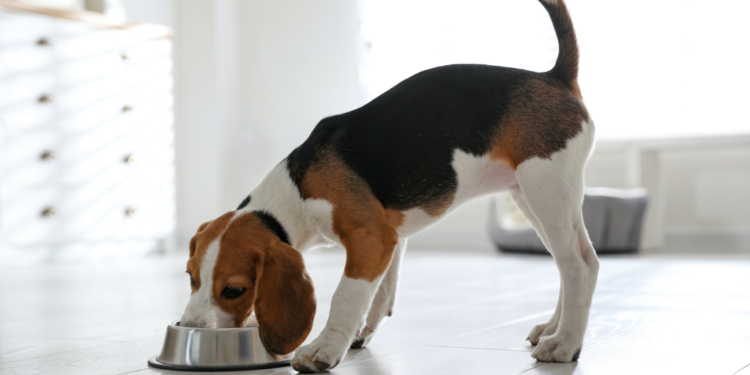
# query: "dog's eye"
[192,280]
[232,292]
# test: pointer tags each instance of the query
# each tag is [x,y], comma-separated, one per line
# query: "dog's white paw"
[323,354]
[557,349]
[541,330]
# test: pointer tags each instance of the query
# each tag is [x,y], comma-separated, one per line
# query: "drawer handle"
[125,57]
[44,42]
[127,108]
[130,159]
[47,99]
[130,211]
[49,212]
[48,156]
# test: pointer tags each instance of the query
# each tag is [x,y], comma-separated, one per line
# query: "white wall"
[150,11]
[252,80]
[254,77]
[706,193]
[299,63]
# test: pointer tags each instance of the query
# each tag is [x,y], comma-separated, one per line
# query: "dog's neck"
[279,197]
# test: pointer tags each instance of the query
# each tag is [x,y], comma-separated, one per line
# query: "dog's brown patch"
[395,218]
[276,284]
[365,228]
[437,207]
[539,121]
[207,233]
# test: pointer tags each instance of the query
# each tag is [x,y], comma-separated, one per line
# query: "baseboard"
[451,241]
[686,240]
[682,240]
[15,256]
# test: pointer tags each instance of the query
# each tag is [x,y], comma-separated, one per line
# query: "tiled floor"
[457,313]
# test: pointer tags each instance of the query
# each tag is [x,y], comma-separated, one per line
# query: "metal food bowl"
[215,349]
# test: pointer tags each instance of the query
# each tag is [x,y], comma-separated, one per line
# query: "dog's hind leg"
[553,191]
[385,298]
[548,328]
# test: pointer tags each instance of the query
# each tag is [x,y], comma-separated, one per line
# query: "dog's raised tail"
[566,66]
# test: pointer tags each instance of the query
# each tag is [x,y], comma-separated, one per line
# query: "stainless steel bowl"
[215,349]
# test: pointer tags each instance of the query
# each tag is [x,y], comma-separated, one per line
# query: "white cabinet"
[86,133]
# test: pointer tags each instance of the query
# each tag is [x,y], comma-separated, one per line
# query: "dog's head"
[238,265]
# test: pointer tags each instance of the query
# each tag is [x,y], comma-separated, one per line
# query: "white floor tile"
[456,313]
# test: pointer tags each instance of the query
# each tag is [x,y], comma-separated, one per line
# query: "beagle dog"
[370,178]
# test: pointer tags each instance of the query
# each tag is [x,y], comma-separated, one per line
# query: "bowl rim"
[154,362]
[176,325]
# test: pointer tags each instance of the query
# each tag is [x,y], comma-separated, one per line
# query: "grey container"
[613,219]
[215,349]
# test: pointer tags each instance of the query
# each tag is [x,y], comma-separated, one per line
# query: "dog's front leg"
[368,254]
[385,298]
[350,303]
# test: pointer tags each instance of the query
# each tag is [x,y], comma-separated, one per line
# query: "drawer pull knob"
[130,159]
[125,57]
[130,211]
[49,212]
[48,156]
[127,108]
[46,99]
[44,42]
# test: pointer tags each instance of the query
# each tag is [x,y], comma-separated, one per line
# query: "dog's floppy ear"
[285,300]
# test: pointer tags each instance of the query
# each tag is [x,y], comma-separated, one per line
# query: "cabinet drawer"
[50,158]
[39,101]
[118,98]
[22,42]
[49,216]
[149,208]
[28,159]
[47,158]
[18,28]
[31,43]
[27,217]
[136,209]
[107,156]
[126,61]
[25,90]
[28,100]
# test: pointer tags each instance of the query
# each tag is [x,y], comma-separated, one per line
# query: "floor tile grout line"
[382,356]
[738,371]
[69,351]
[497,297]
[421,346]
[519,320]
[86,340]
[623,334]
[548,312]
[538,364]
[463,347]
[635,330]
[130,372]
[47,355]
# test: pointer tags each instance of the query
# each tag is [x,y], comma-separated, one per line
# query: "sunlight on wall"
[672,68]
